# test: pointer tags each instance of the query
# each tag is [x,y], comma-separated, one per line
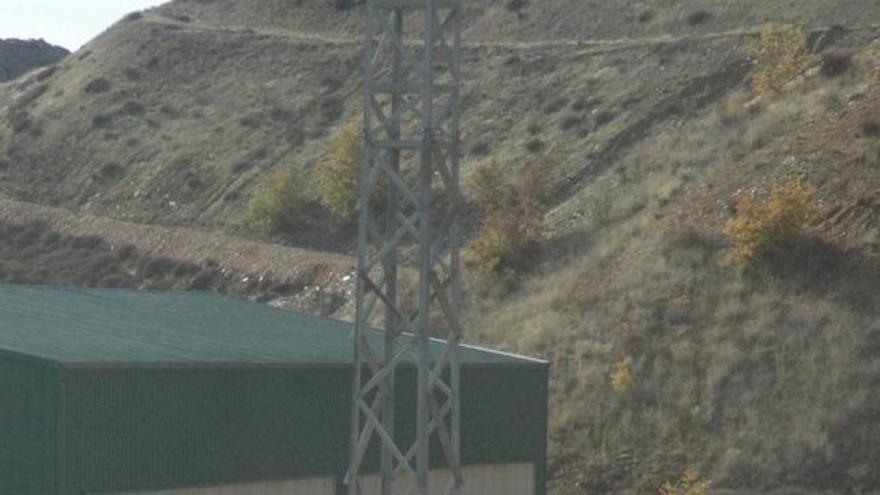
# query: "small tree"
[621,376]
[338,176]
[278,204]
[513,215]
[759,228]
[488,186]
[689,484]
[781,54]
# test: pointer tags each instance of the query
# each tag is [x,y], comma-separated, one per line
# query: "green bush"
[278,204]
[338,176]
[513,216]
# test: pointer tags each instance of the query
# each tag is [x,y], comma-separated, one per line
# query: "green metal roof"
[88,326]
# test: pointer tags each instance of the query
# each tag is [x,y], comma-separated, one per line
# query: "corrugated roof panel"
[115,326]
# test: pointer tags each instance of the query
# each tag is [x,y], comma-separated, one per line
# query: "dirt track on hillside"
[39,244]
[184,244]
[587,44]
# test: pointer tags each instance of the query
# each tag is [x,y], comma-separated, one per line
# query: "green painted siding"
[129,430]
[119,391]
[150,429]
[28,421]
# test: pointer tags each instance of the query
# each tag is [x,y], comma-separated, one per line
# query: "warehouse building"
[118,392]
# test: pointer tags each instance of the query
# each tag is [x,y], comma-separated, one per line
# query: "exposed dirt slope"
[40,244]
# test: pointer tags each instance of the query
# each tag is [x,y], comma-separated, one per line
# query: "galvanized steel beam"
[412,67]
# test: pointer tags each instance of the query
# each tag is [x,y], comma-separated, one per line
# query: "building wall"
[314,486]
[130,429]
[502,479]
[28,426]
[496,479]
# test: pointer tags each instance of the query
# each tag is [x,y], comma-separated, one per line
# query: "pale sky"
[69,23]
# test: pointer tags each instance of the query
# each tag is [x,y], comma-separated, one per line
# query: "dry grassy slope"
[173,117]
[755,377]
[532,20]
[758,378]
[158,122]
[107,134]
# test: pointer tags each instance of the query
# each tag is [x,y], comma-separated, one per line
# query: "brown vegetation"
[513,216]
[762,227]
[781,53]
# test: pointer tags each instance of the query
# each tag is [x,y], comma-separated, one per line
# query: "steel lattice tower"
[409,204]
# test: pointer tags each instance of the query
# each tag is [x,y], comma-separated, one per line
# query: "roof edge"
[231,365]
[510,355]
[29,358]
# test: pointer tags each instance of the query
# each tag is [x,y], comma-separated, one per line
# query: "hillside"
[754,376]
[666,355]
[20,56]
[193,155]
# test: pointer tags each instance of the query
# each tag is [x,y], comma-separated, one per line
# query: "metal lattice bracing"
[410,201]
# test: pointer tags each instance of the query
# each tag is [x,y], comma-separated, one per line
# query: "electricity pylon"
[410,202]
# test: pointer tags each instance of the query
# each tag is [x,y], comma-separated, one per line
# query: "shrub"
[134,108]
[513,215]
[621,376]
[97,86]
[571,122]
[535,146]
[488,186]
[698,17]
[759,228]
[102,121]
[278,204]
[158,267]
[556,105]
[480,149]
[338,176]
[689,484]
[781,54]
[516,5]
[836,63]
